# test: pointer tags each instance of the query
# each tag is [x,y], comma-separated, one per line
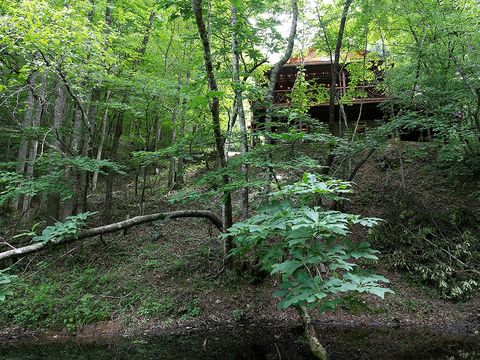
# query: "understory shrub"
[438,247]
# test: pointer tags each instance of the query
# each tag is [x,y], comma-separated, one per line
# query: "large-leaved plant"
[309,246]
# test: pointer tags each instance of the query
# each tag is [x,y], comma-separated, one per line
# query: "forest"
[228,179]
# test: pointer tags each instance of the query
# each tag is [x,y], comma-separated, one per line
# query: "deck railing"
[373,94]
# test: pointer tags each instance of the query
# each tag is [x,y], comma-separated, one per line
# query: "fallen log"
[122,225]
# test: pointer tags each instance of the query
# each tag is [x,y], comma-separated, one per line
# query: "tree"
[278,66]
[238,109]
[215,111]
[435,91]
[309,248]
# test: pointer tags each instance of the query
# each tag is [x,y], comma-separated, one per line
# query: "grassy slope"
[166,275]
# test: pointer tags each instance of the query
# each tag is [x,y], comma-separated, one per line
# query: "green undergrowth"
[431,229]
[438,252]
[165,272]
[126,279]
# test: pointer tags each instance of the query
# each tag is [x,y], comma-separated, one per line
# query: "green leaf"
[287,268]
[60,231]
[379,291]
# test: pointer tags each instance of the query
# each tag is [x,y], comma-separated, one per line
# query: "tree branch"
[360,164]
[122,225]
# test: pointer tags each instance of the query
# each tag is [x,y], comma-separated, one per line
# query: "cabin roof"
[313,57]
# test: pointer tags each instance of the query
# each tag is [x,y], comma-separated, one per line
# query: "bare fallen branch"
[122,225]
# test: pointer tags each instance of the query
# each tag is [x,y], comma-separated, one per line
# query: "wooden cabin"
[318,70]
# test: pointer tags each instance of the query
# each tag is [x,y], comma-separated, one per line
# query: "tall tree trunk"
[239,110]
[172,167]
[273,82]
[335,64]
[183,112]
[103,135]
[158,133]
[87,149]
[32,156]
[476,117]
[181,161]
[53,201]
[419,42]
[278,66]
[72,175]
[27,122]
[215,111]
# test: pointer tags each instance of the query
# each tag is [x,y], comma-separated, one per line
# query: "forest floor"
[166,278]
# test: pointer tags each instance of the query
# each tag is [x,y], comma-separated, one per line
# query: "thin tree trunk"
[335,65]
[7,151]
[420,57]
[343,116]
[238,109]
[103,136]
[113,157]
[158,132]
[27,121]
[53,201]
[90,117]
[144,190]
[477,113]
[167,50]
[148,126]
[400,159]
[232,119]
[278,66]
[87,148]
[364,68]
[215,111]
[171,168]
[183,114]
[71,175]
[181,162]
[77,131]
[32,156]
[273,82]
